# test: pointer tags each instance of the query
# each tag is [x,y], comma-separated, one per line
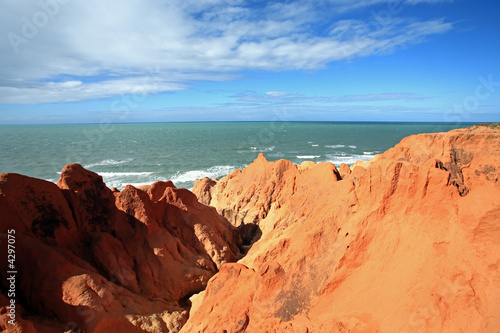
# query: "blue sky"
[71,61]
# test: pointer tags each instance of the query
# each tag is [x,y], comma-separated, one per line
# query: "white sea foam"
[108,162]
[191,176]
[335,146]
[122,179]
[308,157]
[268,149]
[353,147]
[348,159]
[123,174]
[314,145]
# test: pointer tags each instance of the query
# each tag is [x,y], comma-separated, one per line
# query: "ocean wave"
[212,172]
[278,154]
[353,147]
[335,146]
[180,179]
[306,157]
[265,149]
[122,179]
[107,162]
[314,145]
[348,159]
[124,174]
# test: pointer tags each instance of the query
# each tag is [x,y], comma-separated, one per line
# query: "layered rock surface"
[92,260]
[408,242]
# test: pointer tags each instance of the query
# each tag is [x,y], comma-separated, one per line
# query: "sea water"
[143,153]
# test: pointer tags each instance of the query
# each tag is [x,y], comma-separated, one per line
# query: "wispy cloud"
[277,94]
[413,2]
[349,5]
[284,98]
[284,113]
[117,43]
[72,91]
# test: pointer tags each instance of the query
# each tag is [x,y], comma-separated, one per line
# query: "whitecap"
[212,172]
[124,174]
[335,146]
[122,179]
[353,147]
[108,162]
[314,145]
[348,159]
[310,157]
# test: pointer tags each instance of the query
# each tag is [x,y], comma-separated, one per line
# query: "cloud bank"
[68,50]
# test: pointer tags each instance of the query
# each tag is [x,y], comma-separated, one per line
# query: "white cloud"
[287,113]
[73,91]
[284,98]
[276,93]
[63,50]
[414,2]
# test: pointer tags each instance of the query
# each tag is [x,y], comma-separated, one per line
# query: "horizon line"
[258,121]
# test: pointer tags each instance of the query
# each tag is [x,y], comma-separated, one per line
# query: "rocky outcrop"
[408,242]
[246,197]
[92,260]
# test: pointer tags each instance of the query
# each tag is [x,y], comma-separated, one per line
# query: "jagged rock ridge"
[407,242]
[93,260]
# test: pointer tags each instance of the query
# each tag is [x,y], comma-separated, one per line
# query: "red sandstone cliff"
[408,242]
[92,260]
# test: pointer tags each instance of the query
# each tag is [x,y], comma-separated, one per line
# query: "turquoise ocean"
[143,153]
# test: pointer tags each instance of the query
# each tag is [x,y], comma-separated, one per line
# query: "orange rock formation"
[407,242]
[91,260]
